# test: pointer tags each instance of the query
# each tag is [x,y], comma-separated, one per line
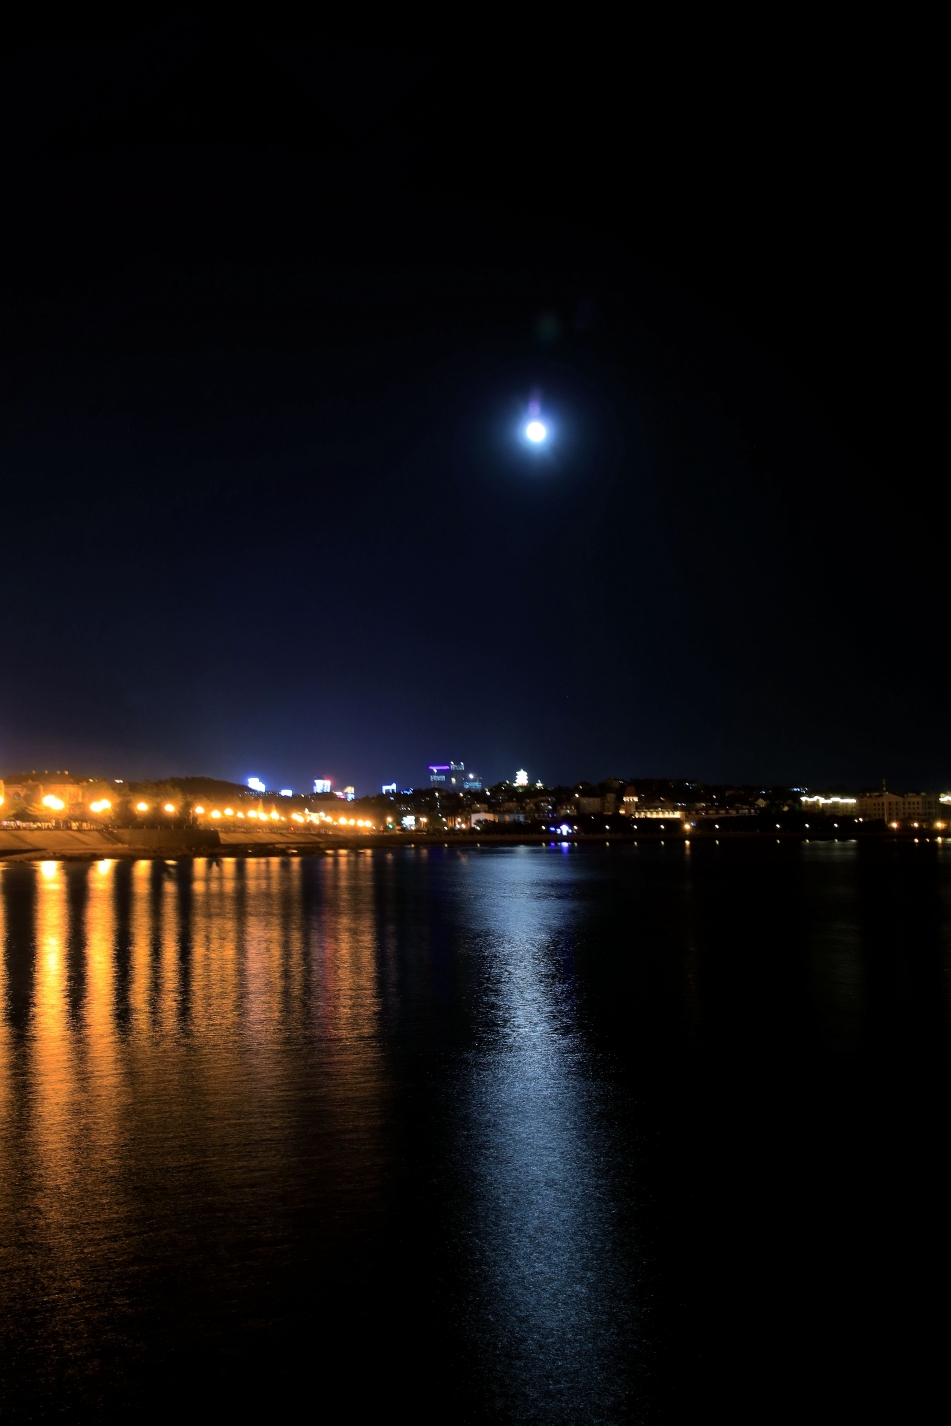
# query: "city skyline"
[470,786]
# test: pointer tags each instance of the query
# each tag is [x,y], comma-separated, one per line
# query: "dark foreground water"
[519,1134]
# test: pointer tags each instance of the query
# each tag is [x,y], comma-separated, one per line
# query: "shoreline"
[110,844]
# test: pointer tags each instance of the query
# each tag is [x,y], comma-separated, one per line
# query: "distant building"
[323,784]
[54,794]
[589,804]
[448,777]
[256,785]
[286,792]
[32,791]
[892,807]
[478,817]
[388,787]
[521,778]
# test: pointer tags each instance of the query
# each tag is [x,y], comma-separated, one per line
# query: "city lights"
[911,812]
[303,818]
[836,803]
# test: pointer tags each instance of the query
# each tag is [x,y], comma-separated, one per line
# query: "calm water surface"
[519,1134]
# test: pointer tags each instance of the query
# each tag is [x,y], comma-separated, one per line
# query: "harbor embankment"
[35,844]
[38,844]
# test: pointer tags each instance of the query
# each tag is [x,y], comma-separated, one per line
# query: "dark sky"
[273,303]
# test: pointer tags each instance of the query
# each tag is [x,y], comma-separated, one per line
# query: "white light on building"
[256,785]
[521,778]
[389,787]
[321,784]
[287,792]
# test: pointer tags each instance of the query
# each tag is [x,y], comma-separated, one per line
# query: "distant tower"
[521,778]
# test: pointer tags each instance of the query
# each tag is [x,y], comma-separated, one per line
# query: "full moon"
[536,431]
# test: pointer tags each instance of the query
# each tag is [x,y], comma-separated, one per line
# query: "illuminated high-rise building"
[451,777]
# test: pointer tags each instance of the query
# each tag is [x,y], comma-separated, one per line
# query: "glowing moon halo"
[536,431]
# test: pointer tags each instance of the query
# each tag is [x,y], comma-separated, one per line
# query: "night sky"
[274,303]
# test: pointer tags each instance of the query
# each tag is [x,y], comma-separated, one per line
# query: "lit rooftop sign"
[828,801]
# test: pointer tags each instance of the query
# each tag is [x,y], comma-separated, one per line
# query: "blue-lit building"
[452,777]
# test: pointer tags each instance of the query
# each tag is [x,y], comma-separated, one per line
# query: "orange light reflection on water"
[157,1017]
